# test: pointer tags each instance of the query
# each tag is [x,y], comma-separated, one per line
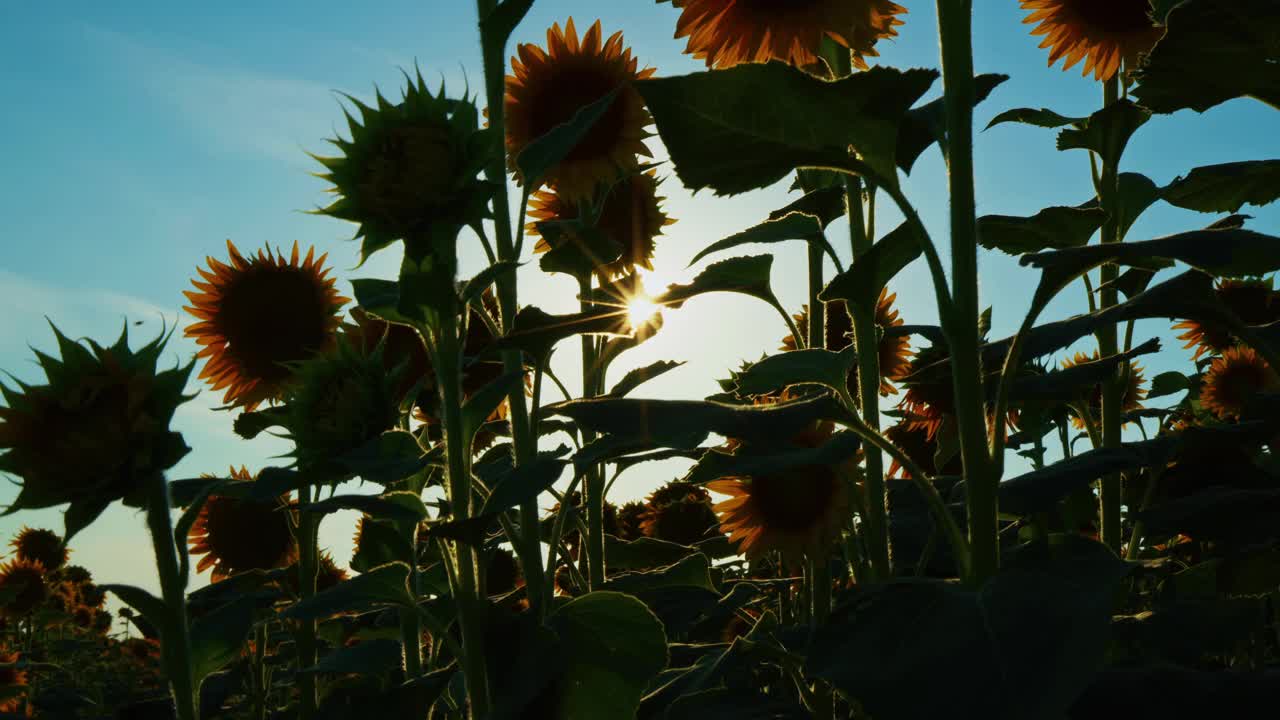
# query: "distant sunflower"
[328,573]
[42,546]
[237,535]
[141,648]
[26,581]
[912,438]
[83,617]
[894,351]
[630,516]
[679,512]
[1233,380]
[631,215]
[1130,398]
[257,316]
[725,33]
[1103,31]
[1253,301]
[76,574]
[549,86]
[13,683]
[798,512]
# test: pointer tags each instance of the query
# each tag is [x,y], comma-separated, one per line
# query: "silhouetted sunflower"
[631,215]
[328,573]
[502,572]
[13,683]
[141,648]
[98,432]
[1253,301]
[1103,31]
[409,167]
[1233,380]
[895,351]
[679,512]
[26,581]
[83,617]
[549,86]
[77,574]
[258,315]
[928,401]
[725,33]
[630,516]
[42,546]
[912,438]
[1130,398]
[798,512]
[237,535]
[402,344]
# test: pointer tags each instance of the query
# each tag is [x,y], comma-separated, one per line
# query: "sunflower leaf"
[481,404]
[379,543]
[642,553]
[716,464]
[382,586]
[546,152]
[381,298]
[576,249]
[926,125]
[748,275]
[637,377]
[496,26]
[798,367]
[399,507]
[1233,252]
[1052,228]
[792,226]
[217,637]
[476,286]
[147,605]
[1106,132]
[375,657]
[535,331]
[1168,383]
[1213,51]
[872,271]
[523,483]
[1137,193]
[749,126]
[1226,188]
[1043,117]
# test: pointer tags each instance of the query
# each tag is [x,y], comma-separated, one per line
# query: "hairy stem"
[1109,492]
[175,649]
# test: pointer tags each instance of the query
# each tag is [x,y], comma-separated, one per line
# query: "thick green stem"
[175,649]
[594,480]
[1109,492]
[458,454]
[259,673]
[954,21]
[823,706]
[305,637]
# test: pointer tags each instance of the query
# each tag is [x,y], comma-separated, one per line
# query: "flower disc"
[237,535]
[1233,380]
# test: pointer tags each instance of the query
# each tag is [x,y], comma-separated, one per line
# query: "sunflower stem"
[820,572]
[308,561]
[594,480]
[259,673]
[175,647]
[1110,490]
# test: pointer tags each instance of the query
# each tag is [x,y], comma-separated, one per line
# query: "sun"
[641,310]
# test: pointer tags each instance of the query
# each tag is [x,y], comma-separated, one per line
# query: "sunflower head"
[1233,380]
[13,682]
[1101,32]
[679,512]
[502,572]
[402,347]
[23,582]
[630,215]
[97,431]
[42,546]
[548,87]
[77,575]
[911,436]
[1130,399]
[409,168]
[83,617]
[341,400]
[236,535]
[725,34]
[929,398]
[798,512]
[328,573]
[894,351]
[1253,301]
[258,316]
[141,648]
[630,516]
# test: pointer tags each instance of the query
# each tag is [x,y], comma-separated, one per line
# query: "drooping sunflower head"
[236,535]
[24,583]
[1101,32]
[1253,301]
[42,546]
[547,87]
[1234,379]
[727,33]
[341,400]
[409,167]
[798,512]
[630,215]
[679,512]
[97,431]
[13,682]
[1132,394]
[258,316]
[630,516]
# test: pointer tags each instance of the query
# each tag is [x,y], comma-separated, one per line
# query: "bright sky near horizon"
[139,136]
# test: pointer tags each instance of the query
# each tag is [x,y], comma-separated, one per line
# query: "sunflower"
[26,581]
[571,535]
[328,573]
[236,535]
[894,351]
[1253,301]
[911,436]
[42,546]
[409,169]
[631,215]
[13,683]
[1233,380]
[630,516]
[679,512]
[929,398]
[77,575]
[83,617]
[502,572]
[258,315]
[798,511]
[725,33]
[141,648]
[97,431]
[1130,399]
[1103,31]
[549,86]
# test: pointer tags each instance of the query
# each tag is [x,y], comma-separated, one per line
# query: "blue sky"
[140,136]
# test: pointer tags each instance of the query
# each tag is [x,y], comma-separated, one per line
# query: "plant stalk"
[308,561]
[175,649]
[1109,491]
[593,482]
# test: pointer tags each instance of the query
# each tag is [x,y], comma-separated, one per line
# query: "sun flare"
[641,310]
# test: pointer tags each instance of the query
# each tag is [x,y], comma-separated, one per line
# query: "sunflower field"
[877,519]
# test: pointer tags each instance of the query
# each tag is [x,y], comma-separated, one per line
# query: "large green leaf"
[381,586]
[614,646]
[536,331]
[873,270]
[481,404]
[635,378]
[525,482]
[217,638]
[642,553]
[547,151]
[927,124]
[1226,188]
[1233,252]
[793,226]
[1043,117]
[400,506]
[1213,51]
[1137,193]
[147,605]
[375,656]
[1053,228]
[751,125]
[797,367]
[1106,132]
[1039,490]
[715,464]
[1022,646]
[747,275]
